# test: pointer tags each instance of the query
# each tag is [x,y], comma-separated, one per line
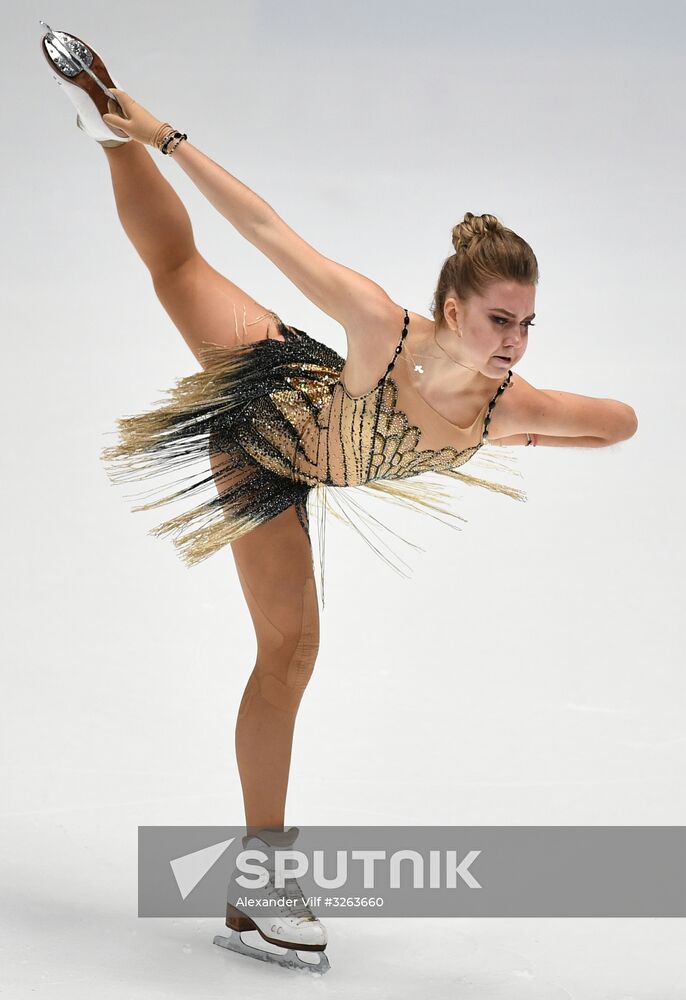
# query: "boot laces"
[295,901]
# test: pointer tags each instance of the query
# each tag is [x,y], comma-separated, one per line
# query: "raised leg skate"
[84,78]
[289,925]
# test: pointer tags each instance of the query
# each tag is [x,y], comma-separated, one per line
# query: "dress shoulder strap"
[390,366]
[501,388]
[396,352]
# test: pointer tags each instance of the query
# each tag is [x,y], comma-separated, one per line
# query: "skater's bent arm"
[562,419]
[569,415]
[340,292]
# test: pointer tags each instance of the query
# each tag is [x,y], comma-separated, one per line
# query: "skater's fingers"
[119,110]
[125,101]
[116,120]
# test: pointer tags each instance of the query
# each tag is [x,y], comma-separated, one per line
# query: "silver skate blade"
[289,960]
[76,61]
[57,43]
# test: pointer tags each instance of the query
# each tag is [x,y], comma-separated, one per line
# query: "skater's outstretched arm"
[344,294]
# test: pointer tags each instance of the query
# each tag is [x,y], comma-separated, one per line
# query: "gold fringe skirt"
[234,448]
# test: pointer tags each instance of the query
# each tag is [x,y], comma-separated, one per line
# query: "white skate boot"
[288,922]
[84,78]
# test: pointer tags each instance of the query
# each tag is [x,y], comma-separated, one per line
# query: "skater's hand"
[138,124]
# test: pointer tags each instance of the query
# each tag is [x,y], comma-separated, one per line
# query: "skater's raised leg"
[151,212]
[204,305]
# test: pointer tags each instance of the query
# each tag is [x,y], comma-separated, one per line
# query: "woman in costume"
[274,416]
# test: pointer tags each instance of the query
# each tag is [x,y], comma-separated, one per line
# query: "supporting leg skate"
[290,928]
[316,962]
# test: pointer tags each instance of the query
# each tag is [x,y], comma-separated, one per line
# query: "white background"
[531,670]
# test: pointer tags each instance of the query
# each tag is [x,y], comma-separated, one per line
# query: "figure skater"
[274,414]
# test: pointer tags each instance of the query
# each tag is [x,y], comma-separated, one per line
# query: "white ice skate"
[84,78]
[290,926]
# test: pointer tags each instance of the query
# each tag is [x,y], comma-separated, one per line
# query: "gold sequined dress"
[270,424]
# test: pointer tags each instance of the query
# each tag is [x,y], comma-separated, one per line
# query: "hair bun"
[474,228]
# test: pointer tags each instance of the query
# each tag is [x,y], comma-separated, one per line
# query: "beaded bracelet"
[167,139]
[176,142]
[172,141]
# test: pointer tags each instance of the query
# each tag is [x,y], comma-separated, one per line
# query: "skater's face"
[495,324]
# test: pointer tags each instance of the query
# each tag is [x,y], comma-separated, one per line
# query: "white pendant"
[419,368]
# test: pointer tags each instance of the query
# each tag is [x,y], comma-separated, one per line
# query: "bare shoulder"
[511,414]
[372,337]
[524,407]
[376,321]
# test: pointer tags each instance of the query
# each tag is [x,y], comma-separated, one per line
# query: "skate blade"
[290,959]
[73,57]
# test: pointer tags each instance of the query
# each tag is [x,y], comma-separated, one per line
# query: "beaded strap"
[501,389]
[398,349]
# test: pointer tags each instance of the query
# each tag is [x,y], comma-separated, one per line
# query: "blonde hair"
[485,251]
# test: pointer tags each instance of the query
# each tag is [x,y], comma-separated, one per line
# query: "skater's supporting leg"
[274,563]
